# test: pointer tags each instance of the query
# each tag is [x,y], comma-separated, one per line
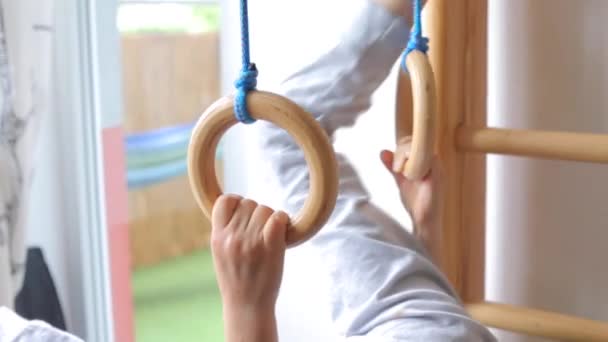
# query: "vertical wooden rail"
[458,52]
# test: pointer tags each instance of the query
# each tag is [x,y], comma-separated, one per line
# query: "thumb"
[387,158]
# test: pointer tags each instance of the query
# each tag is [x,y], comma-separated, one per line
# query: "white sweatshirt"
[16,329]
[363,272]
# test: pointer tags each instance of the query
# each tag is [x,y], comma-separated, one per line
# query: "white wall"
[547,221]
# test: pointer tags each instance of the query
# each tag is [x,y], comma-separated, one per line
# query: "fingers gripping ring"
[308,134]
[416,114]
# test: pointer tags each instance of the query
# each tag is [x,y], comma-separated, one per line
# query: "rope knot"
[419,43]
[416,41]
[248,79]
[245,83]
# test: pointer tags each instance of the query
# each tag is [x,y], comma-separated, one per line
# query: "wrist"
[429,234]
[427,230]
[236,308]
[250,323]
[260,304]
[425,223]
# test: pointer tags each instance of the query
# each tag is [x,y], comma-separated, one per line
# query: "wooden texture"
[540,144]
[416,114]
[538,323]
[168,79]
[308,134]
[458,55]
[458,52]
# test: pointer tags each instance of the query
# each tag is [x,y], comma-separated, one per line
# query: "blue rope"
[417,41]
[249,73]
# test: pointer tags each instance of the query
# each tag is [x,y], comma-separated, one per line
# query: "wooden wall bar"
[458,52]
[458,32]
[539,323]
[584,147]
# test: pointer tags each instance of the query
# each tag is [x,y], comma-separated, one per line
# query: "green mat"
[178,301]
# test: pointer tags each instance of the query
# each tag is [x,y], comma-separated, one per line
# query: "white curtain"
[25,63]
[547,222]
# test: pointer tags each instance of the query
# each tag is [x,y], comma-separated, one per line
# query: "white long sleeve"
[16,329]
[375,279]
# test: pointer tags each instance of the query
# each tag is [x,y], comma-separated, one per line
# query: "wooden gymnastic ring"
[416,91]
[307,133]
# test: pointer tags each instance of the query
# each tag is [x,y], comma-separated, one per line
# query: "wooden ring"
[308,134]
[416,91]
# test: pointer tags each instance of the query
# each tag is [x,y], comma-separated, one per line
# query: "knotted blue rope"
[249,73]
[416,41]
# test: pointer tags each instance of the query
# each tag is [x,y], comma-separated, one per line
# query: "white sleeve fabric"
[381,284]
[14,328]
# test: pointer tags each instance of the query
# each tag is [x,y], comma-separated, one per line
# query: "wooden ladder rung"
[583,147]
[538,323]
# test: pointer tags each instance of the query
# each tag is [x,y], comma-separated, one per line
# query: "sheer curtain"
[25,62]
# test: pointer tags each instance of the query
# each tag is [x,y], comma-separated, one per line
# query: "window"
[170,57]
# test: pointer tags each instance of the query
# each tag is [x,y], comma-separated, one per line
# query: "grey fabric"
[377,282]
[15,329]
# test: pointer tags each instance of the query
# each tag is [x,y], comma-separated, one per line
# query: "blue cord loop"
[249,73]
[416,41]
[246,82]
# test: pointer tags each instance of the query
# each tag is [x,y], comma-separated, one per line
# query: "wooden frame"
[458,32]
[458,48]
[584,147]
[539,323]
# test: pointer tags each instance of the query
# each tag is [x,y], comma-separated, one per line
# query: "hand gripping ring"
[416,90]
[308,134]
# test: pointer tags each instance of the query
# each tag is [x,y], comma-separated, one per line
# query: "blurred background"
[170,61]
[116,85]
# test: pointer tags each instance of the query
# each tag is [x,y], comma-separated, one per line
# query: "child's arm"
[248,245]
[422,199]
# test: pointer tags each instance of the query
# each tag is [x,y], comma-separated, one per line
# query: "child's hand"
[422,199]
[248,245]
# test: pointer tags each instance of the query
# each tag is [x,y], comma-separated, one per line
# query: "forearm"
[429,234]
[250,324]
